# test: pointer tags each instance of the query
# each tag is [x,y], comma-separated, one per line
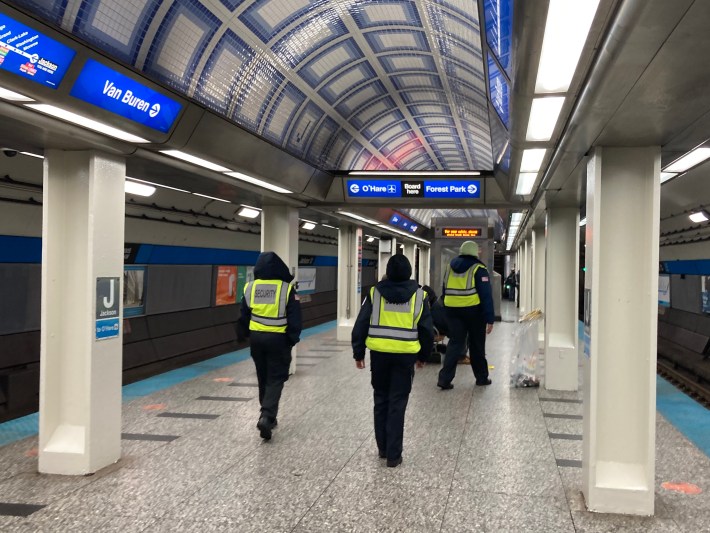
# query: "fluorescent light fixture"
[139,189]
[12,96]
[526,180]
[502,152]
[385,173]
[583,222]
[328,226]
[359,217]
[515,218]
[248,212]
[30,154]
[566,31]
[308,226]
[370,239]
[689,160]
[408,235]
[211,197]
[159,185]
[532,159]
[258,182]
[84,122]
[665,176]
[544,113]
[306,220]
[699,216]
[177,154]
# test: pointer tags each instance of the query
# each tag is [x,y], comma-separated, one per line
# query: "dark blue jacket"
[395,292]
[270,266]
[460,265]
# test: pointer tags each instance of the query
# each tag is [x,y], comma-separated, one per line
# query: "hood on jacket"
[462,263]
[398,268]
[271,266]
[397,292]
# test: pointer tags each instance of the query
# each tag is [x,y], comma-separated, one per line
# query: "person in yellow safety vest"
[469,312]
[395,324]
[271,316]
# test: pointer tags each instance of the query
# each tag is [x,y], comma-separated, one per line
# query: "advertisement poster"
[664,290]
[226,286]
[306,280]
[705,288]
[133,291]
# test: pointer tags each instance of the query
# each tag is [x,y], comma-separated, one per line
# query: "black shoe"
[265,426]
[445,386]
[486,381]
[393,463]
[382,455]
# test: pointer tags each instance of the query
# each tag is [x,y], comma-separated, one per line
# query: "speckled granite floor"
[475,459]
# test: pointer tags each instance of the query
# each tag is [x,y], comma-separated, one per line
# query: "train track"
[685,381]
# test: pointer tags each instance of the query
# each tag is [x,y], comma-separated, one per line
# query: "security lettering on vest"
[405,307]
[265,294]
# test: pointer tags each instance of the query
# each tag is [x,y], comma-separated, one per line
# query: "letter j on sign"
[108,308]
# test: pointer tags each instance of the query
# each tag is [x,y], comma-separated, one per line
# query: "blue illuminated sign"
[452,189]
[28,53]
[374,189]
[119,94]
[403,222]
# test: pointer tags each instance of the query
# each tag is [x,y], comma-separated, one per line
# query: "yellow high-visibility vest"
[393,327]
[267,299]
[460,289]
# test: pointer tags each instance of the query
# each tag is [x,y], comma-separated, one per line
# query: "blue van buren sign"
[28,53]
[119,94]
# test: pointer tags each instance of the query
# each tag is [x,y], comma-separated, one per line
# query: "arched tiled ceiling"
[343,84]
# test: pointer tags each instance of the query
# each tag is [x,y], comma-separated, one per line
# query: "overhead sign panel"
[403,222]
[119,94]
[413,189]
[30,54]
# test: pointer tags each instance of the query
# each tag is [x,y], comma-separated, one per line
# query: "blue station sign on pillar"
[370,188]
[108,308]
[30,54]
[119,94]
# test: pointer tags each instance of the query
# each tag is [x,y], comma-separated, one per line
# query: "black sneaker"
[393,463]
[486,381]
[445,386]
[265,426]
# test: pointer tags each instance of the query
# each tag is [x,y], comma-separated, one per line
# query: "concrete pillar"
[525,277]
[425,265]
[349,279]
[410,252]
[562,299]
[621,288]
[387,249]
[81,333]
[279,233]
[538,282]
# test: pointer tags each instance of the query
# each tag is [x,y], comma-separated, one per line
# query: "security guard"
[469,312]
[271,316]
[395,324]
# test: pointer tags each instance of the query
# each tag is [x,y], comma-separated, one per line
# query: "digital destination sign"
[413,189]
[119,94]
[459,233]
[32,55]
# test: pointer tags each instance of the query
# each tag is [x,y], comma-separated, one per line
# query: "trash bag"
[526,354]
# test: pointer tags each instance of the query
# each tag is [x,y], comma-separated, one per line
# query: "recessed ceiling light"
[583,222]
[532,159]
[139,189]
[526,180]
[184,156]
[248,212]
[370,239]
[308,226]
[85,122]
[257,181]
[689,160]
[544,113]
[699,216]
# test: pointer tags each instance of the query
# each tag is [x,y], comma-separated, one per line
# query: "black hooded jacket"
[460,265]
[394,292]
[270,266]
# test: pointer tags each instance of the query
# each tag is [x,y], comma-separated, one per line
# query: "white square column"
[279,233]
[349,279]
[621,292]
[562,299]
[410,252]
[80,375]
[538,282]
[425,265]
[387,248]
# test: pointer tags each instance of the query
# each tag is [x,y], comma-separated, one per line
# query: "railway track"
[685,381]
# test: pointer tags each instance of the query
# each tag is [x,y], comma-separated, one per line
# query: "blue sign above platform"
[32,55]
[413,189]
[119,94]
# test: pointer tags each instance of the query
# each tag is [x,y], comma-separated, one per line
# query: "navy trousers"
[271,353]
[392,376]
[467,325]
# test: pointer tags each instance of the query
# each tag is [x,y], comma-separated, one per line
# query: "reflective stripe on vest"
[460,290]
[267,300]
[394,327]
